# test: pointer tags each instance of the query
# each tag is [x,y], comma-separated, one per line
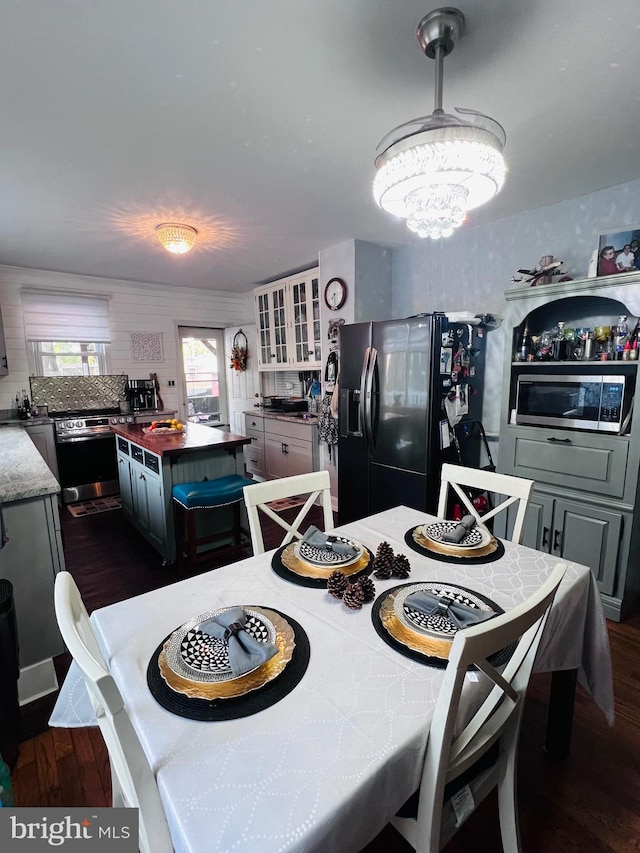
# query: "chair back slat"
[514,490]
[457,741]
[132,781]
[315,485]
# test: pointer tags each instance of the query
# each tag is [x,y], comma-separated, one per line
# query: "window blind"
[51,316]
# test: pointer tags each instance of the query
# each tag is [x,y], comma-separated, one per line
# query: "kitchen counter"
[23,472]
[193,439]
[291,417]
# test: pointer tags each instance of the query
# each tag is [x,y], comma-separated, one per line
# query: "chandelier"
[433,169]
[177,239]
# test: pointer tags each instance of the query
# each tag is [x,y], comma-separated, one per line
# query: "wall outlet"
[171,383]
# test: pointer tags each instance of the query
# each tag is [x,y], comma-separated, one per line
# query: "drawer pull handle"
[560,440]
[556,540]
[545,537]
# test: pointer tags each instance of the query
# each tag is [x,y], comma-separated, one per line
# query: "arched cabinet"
[586,482]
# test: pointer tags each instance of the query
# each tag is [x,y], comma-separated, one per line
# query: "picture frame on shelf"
[618,252]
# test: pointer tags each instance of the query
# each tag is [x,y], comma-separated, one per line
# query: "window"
[67,334]
[67,358]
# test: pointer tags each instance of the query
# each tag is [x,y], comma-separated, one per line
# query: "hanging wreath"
[239,352]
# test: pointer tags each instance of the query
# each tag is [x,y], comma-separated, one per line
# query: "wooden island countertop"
[193,439]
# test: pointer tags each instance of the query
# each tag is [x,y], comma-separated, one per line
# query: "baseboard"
[36,681]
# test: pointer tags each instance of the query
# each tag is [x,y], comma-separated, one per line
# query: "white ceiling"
[257,122]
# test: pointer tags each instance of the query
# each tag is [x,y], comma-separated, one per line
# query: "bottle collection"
[602,343]
[23,406]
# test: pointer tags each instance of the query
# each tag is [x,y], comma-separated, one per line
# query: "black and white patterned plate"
[324,557]
[437,624]
[475,538]
[200,657]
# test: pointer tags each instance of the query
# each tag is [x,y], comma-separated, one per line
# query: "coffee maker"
[141,395]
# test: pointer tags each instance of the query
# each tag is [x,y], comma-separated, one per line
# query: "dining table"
[326,764]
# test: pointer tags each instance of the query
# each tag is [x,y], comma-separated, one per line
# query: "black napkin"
[460,614]
[245,652]
[318,539]
[457,534]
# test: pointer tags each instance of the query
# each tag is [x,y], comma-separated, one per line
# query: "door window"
[204,380]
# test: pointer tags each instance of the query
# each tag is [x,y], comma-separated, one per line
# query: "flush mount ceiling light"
[177,239]
[433,169]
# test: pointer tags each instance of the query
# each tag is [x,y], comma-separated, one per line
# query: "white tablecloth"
[327,766]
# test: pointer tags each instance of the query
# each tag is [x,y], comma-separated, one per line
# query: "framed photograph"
[619,251]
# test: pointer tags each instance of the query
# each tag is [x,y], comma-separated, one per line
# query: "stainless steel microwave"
[571,401]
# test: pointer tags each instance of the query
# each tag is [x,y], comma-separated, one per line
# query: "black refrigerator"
[402,384]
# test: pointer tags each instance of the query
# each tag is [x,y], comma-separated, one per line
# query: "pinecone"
[337,583]
[383,561]
[368,589]
[401,566]
[353,596]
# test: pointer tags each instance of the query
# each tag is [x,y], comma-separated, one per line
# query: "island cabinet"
[288,323]
[149,466]
[290,448]
[583,505]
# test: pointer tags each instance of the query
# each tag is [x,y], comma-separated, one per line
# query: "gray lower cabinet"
[289,448]
[254,453]
[574,531]
[41,434]
[584,503]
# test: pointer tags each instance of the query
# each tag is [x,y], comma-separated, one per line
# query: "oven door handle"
[63,439]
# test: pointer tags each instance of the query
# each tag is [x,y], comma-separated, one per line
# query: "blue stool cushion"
[211,493]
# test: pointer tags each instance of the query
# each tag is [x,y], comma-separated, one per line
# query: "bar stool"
[208,495]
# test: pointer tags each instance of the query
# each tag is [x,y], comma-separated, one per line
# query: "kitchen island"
[31,556]
[149,465]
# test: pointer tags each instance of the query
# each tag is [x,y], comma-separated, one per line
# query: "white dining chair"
[482,753]
[257,497]
[132,781]
[515,490]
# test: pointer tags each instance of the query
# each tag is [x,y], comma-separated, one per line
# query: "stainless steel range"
[86,453]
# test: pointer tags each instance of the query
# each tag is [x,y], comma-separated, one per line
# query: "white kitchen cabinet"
[4,365]
[254,453]
[288,323]
[290,448]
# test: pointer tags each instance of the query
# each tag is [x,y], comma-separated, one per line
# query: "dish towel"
[245,652]
[457,534]
[318,539]
[460,614]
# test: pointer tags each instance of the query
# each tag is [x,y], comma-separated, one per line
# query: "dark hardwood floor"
[590,802]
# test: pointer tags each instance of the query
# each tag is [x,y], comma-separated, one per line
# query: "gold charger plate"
[411,639]
[285,641]
[452,550]
[308,570]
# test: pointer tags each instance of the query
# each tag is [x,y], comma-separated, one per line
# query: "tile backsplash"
[64,393]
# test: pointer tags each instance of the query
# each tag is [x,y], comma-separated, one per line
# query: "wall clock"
[335,294]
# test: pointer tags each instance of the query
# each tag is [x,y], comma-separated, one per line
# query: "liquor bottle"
[621,337]
[633,355]
[525,345]
[560,344]
[18,407]
[26,405]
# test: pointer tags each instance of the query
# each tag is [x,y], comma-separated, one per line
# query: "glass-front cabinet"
[288,323]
